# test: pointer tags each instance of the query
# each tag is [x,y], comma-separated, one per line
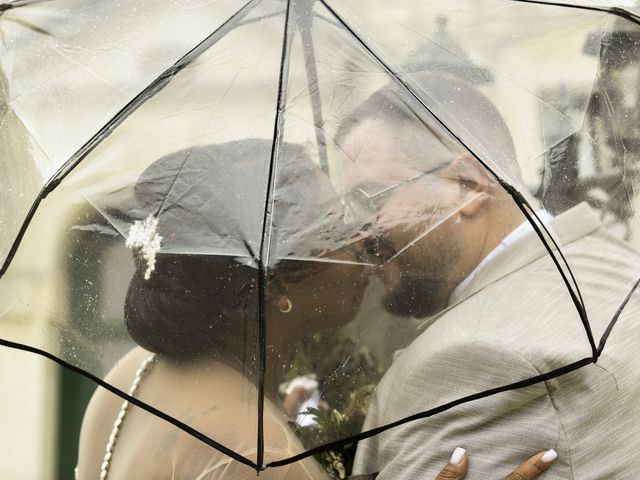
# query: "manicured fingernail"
[549,456]
[458,455]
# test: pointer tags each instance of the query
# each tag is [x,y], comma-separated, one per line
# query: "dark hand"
[456,469]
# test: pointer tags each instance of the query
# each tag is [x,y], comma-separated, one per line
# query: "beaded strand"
[113,438]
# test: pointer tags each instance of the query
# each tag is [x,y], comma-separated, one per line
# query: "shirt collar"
[520,231]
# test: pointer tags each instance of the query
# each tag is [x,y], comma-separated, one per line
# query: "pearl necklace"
[106,462]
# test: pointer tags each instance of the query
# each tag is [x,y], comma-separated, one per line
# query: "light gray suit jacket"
[517,320]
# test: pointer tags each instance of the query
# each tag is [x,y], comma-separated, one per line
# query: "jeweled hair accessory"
[143,235]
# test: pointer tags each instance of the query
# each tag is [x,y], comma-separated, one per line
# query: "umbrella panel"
[176,159]
[581,149]
[463,43]
[628,8]
[54,104]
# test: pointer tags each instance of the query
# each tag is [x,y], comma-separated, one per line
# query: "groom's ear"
[474,181]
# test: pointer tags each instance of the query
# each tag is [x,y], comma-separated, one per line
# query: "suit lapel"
[566,228]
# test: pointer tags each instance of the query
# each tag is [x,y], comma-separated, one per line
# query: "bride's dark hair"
[201,298]
[193,305]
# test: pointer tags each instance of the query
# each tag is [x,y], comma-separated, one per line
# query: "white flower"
[143,235]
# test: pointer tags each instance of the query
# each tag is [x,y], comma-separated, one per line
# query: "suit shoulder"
[430,374]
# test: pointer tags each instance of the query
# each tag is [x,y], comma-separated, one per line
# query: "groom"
[456,250]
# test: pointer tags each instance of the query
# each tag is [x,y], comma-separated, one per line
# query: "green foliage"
[348,374]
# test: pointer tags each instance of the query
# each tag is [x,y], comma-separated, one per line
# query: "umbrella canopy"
[276,191]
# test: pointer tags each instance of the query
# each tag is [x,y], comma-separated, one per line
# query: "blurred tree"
[348,373]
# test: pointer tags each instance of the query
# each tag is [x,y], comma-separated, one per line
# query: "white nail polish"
[549,456]
[458,455]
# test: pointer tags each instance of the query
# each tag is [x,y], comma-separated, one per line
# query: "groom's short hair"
[458,104]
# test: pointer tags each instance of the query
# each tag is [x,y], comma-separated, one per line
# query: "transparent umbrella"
[277,229]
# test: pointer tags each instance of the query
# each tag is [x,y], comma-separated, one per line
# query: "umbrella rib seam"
[528,212]
[620,12]
[616,316]
[312,76]
[19,3]
[267,224]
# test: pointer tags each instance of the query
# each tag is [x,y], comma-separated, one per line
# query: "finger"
[456,469]
[534,466]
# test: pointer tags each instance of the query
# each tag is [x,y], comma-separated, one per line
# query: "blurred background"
[563,80]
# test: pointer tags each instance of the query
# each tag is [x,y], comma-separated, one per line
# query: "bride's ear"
[474,181]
